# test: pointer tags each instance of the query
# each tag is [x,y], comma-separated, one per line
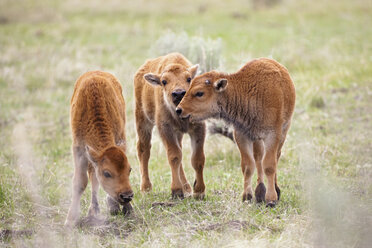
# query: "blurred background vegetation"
[326,168]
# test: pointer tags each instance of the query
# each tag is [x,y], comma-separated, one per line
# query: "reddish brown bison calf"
[98,146]
[159,86]
[259,101]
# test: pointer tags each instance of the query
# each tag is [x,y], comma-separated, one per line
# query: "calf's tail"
[219,127]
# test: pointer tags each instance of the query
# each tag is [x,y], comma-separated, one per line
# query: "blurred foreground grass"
[325,170]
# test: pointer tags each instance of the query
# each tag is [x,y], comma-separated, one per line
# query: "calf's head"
[201,100]
[174,80]
[112,171]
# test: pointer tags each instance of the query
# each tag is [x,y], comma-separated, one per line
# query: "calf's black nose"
[178,93]
[178,111]
[127,196]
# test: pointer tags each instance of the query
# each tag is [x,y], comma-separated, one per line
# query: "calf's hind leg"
[284,134]
[270,161]
[258,152]
[247,163]
[79,183]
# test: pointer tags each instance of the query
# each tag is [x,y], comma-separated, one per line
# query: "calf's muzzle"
[126,197]
[177,96]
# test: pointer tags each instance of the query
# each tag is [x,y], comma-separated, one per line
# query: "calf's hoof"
[198,195]
[199,190]
[146,187]
[271,204]
[187,189]
[177,194]
[246,197]
[260,192]
[127,209]
[277,189]
[72,218]
[69,224]
[93,211]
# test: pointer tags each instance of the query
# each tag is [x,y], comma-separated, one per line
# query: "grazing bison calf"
[160,85]
[259,101]
[98,146]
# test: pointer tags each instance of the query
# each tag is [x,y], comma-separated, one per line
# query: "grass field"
[325,172]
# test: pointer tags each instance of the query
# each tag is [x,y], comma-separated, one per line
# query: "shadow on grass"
[6,235]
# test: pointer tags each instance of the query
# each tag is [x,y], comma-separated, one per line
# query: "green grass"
[325,170]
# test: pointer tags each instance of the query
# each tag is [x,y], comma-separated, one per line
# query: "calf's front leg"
[174,154]
[79,183]
[94,206]
[144,131]
[197,135]
[113,206]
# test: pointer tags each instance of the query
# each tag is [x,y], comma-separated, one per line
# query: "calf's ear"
[92,155]
[193,70]
[152,79]
[220,85]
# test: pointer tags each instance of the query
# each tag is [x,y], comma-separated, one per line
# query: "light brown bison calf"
[98,146]
[259,101]
[160,85]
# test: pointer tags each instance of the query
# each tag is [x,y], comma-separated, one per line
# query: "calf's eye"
[164,82]
[188,80]
[199,94]
[107,174]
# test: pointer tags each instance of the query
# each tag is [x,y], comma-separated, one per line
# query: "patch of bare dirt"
[101,226]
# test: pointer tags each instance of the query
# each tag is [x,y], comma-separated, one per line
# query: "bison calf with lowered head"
[98,146]
[159,86]
[259,101]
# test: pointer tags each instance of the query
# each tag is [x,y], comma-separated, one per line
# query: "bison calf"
[259,101]
[159,85]
[98,146]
